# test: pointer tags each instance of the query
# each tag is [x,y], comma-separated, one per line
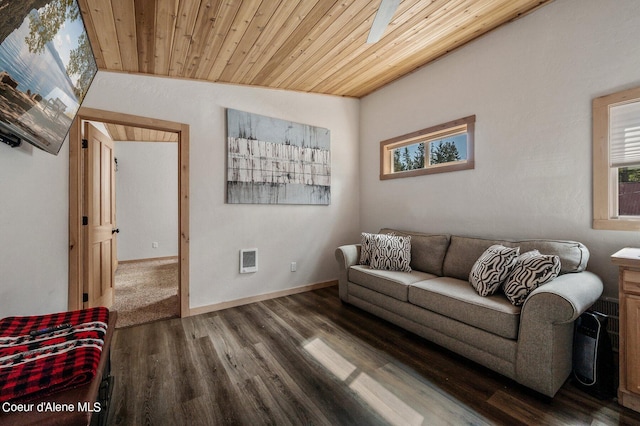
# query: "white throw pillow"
[531,270]
[391,253]
[492,269]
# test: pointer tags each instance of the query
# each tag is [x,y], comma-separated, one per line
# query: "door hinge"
[85,220]
[85,297]
[85,144]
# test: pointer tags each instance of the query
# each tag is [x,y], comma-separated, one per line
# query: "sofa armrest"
[564,299]
[347,256]
[545,339]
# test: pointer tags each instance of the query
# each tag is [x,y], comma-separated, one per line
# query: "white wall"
[147,199]
[307,235]
[34,197]
[34,236]
[530,84]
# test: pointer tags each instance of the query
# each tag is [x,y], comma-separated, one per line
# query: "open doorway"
[80,290]
[146,210]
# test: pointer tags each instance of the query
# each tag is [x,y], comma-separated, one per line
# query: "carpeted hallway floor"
[145,291]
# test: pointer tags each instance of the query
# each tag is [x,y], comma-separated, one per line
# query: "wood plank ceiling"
[314,46]
[119,132]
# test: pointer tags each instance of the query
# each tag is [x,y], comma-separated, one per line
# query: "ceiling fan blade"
[383,17]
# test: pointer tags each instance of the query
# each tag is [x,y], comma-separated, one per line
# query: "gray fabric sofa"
[531,344]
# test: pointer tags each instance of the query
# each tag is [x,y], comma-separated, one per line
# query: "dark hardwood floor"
[308,359]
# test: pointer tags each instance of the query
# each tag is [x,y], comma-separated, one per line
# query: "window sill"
[466,165]
[617,224]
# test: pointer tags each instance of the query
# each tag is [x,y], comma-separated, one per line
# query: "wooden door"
[99,181]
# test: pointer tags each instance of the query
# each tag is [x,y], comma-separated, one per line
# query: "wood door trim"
[76,242]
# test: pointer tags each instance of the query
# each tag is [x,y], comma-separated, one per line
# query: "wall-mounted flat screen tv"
[46,68]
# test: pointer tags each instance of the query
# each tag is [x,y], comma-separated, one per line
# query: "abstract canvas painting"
[273,161]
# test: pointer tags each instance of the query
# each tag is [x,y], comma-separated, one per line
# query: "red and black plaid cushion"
[33,366]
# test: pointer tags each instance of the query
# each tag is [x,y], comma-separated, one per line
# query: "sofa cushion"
[492,269]
[392,283]
[532,269]
[438,328]
[464,251]
[456,299]
[573,255]
[427,250]
[391,253]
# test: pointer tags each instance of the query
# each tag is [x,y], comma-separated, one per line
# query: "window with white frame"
[442,148]
[616,161]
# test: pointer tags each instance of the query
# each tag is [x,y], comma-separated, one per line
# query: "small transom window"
[443,148]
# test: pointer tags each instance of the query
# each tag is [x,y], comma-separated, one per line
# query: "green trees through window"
[412,157]
[444,152]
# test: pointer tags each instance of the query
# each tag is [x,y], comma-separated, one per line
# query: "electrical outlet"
[294,266]
[154,244]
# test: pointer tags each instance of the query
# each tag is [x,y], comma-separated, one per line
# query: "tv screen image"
[46,68]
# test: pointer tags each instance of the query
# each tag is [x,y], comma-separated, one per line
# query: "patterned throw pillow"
[391,253]
[367,242]
[532,269]
[492,269]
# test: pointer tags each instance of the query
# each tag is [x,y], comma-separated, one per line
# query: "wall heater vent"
[611,308]
[248,260]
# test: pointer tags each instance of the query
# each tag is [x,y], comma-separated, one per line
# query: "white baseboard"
[259,298]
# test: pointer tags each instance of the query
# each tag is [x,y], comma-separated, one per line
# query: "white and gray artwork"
[273,161]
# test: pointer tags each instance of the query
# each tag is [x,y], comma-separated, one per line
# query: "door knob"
[114,231]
